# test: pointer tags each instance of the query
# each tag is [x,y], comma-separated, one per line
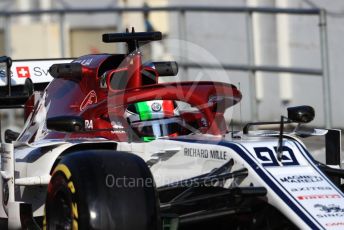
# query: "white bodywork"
[295,185]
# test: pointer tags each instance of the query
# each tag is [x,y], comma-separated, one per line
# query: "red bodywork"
[97,99]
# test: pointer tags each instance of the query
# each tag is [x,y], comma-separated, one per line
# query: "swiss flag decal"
[23,71]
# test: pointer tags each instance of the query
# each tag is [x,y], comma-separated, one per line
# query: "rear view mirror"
[165,68]
[301,114]
[66,124]
[66,70]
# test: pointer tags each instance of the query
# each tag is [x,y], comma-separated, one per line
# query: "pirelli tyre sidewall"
[101,189]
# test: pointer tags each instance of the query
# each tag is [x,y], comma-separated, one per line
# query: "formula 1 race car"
[106,146]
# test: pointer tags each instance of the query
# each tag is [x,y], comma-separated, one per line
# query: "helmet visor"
[158,128]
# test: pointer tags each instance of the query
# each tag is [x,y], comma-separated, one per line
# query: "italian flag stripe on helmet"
[168,108]
[145,111]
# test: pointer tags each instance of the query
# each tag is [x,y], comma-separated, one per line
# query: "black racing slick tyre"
[102,189]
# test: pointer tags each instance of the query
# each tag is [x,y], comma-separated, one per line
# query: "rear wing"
[20,78]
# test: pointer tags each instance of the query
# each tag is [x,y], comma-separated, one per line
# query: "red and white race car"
[106,146]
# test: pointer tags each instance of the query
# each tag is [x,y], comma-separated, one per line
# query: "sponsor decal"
[162,155]
[268,157]
[89,124]
[84,62]
[335,224]
[329,210]
[156,107]
[199,153]
[38,71]
[301,179]
[91,98]
[23,71]
[314,188]
[117,126]
[320,196]
[205,153]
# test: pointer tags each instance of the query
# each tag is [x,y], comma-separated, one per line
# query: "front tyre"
[102,189]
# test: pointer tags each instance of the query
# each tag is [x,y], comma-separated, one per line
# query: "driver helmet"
[153,119]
